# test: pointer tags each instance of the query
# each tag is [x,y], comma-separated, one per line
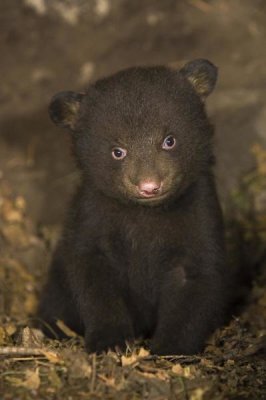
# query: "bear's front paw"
[107,338]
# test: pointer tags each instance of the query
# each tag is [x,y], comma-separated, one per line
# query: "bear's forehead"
[138,91]
[150,84]
[140,102]
[135,118]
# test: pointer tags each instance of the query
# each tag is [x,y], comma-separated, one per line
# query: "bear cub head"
[141,134]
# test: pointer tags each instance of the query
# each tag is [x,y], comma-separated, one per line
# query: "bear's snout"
[149,188]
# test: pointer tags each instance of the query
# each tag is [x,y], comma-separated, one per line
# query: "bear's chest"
[139,271]
[142,252]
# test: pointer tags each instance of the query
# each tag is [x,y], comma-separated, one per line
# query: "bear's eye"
[169,142]
[118,153]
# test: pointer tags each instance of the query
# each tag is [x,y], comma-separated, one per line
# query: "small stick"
[25,351]
[93,377]
[174,358]
[22,351]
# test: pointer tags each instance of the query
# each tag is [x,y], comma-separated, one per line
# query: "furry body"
[130,265]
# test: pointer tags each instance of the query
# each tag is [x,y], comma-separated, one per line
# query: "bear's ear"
[202,75]
[64,108]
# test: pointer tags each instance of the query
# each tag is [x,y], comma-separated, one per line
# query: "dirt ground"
[53,45]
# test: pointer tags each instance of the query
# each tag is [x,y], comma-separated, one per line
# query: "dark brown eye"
[169,142]
[118,153]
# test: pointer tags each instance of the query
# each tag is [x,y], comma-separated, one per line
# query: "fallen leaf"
[207,363]
[109,381]
[10,213]
[20,203]
[189,372]
[32,381]
[31,303]
[148,374]
[78,364]
[2,336]
[52,356]
[19,269]
[162,375]
[230,362]
[15,236]
[54,378]
[31,337]
[143,353]
[10,329]
[129,360]
[197,394]
[134,357]
[178,369]
[65,329]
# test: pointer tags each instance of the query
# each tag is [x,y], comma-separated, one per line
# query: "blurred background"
[53,45]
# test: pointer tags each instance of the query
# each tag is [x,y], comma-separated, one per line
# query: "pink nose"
[149,188]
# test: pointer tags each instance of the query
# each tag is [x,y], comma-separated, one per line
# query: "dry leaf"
[230,362]
[178,369]
[129,360]
[54,378]
[19,269]
[15,236]
[2,336]
[189,372]
[148,374]
[32,381]
[81,368]
[134,357]
[109,381]
[162,375]
[64,328]
[10,329]
[20,203]
[197,394]
[207,363]
[143,353]
[52,356]
[113,355]
[260,155]
[31,303]
[14,381]
[10,213]
[78,364]
[31,337]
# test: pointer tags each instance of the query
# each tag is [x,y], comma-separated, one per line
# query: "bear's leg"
[101,301]
[57,304]
[107,324]
[189,310]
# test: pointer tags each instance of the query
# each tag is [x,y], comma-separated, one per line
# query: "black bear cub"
[142,251]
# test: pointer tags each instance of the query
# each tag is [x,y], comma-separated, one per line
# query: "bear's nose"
[149,188]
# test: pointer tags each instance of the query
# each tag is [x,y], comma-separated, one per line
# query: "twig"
[185,359]
[21,351]
[93,376]
[12,351]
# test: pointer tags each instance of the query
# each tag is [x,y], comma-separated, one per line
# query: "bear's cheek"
[170,181]
[112,183]
[127,188]
[170,171]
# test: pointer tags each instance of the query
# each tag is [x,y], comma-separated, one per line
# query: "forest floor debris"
[32,366]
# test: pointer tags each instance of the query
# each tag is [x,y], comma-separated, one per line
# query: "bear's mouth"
[153,199]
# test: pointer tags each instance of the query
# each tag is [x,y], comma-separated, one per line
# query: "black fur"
[127,267]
